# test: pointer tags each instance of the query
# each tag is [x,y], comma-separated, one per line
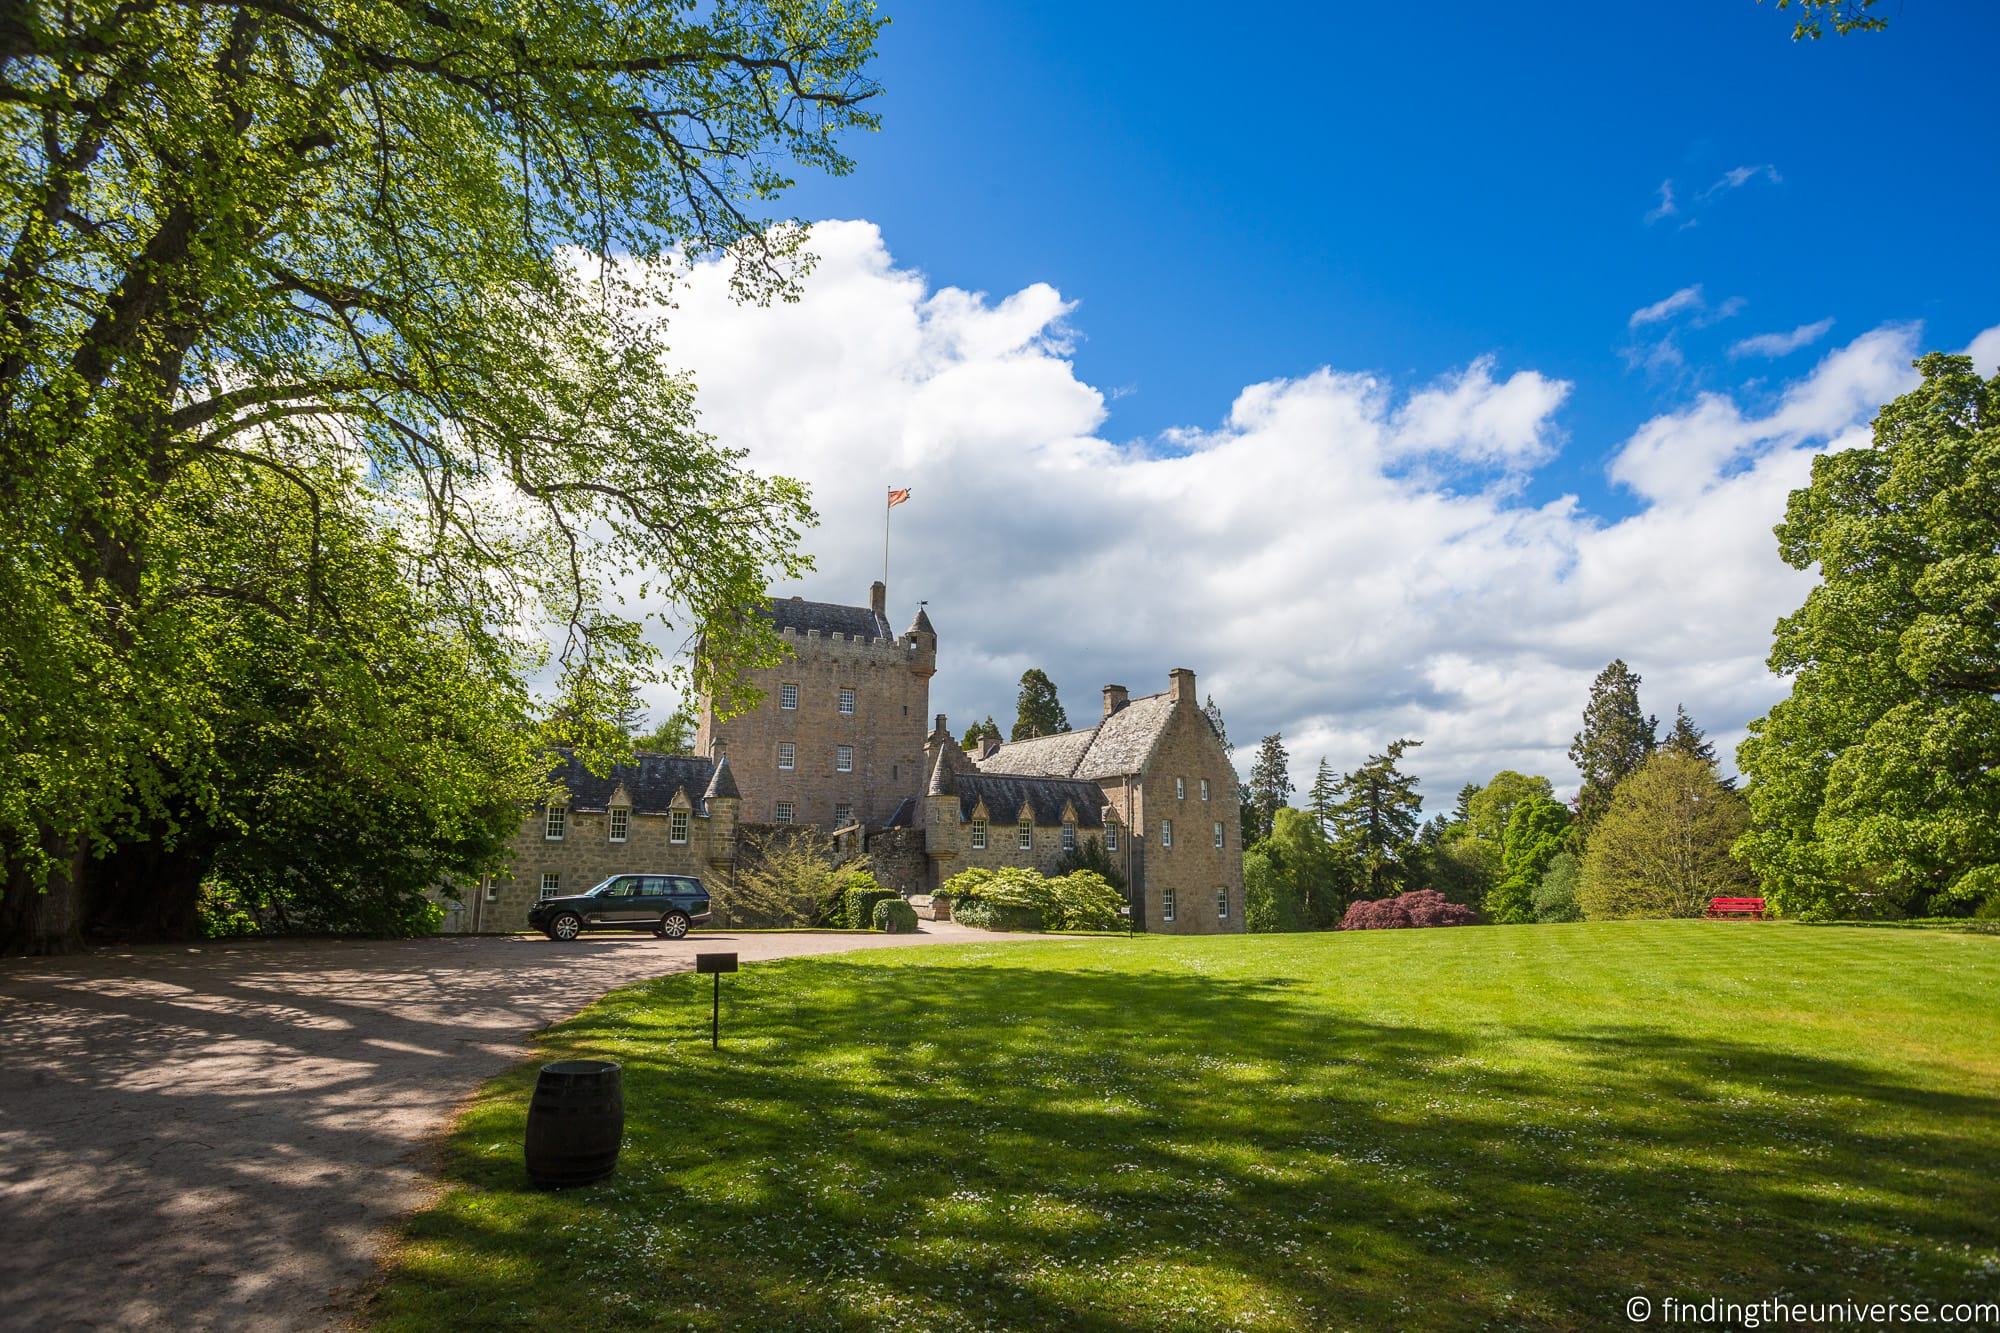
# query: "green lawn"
[1480,1127]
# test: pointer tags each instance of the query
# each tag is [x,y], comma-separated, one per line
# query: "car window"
[683,884]
[656,886]
[622,887]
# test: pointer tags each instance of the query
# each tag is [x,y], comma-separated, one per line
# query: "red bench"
[1720,909]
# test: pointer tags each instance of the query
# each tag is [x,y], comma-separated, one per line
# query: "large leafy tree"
[1876,783]
[1616,738]
[1376,818]
[1270,787]
[1663,848]
[404,262]
[1494,804]
[1037,710]
[1534,836]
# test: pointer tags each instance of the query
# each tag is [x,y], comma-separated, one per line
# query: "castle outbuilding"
[839,742]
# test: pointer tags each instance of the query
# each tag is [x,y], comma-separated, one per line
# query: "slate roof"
[1045,798]
[906,814]
[722,783]
[650,781]
[922,624]
[1116,746]
[796,613]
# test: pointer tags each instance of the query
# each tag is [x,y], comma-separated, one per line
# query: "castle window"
[551,886]
[1166,833]
[1180,789]
[492,892]
[847,702]
[1069,836]
[1110,837]
[784,812]
[978,835]
[1218,833]
[1166,904]
[677,826]
[1204,789]
[788,696]
[557,822]
[843,815]
[788,756]
[621,823]
[1024,836]
[843,758]
[1222,904]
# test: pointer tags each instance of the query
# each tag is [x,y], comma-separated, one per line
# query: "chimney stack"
[987,745]
[1115,697]
[1183,680]
[878,599]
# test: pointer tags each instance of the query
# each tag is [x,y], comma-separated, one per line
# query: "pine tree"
[979,731]
[1213,712]
[1270,781]
[1375,819]
[1321,797]
[1688,739]
[1616,739]
[1038,712]
[1461,810]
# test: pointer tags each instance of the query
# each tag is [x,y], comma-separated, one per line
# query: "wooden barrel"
[576,1122]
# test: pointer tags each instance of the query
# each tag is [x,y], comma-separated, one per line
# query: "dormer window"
[621,823]
[677,826]
[1069,835]
[788,696]
[1024,837]
[558,822]
[1110,837]
[978,835]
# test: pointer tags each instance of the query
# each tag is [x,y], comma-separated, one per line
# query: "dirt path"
[218,1137]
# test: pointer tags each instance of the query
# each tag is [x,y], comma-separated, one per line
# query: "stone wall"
[1193,869]
[896,859]
[891,683]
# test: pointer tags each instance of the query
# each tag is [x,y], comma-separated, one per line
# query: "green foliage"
[1663,848]
[1037,710]
[1846,16]
[1375,822]
[1535,835]
[980,731]
[1089,854]
[1270,898]
[789,877]
[1213,712]
[1322,796]
[1316,880]
[1463,868]
[1489,808]
[895,916]
[1017,898]
[1616,738]
[1556,895]
[1270,784]
[1875,786]
[673,735]
[402,265]
[858,896]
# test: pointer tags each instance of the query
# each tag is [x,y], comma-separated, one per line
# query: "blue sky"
[1355,362]
[1403,188]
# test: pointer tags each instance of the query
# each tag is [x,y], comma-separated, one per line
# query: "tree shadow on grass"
[977,1146]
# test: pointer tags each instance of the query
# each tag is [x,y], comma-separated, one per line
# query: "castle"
[839,741]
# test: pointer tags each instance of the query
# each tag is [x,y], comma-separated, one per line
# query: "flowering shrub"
[1418,908]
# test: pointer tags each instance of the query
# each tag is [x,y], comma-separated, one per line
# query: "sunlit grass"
[1513,1127]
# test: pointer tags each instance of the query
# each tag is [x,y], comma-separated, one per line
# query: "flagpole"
[886,507]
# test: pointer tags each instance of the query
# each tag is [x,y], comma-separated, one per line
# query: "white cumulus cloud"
[1318,583]
[1782,344]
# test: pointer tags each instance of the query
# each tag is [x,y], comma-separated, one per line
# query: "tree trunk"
[43,917]
[148,889]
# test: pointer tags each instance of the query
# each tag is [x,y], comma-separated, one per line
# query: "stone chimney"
[987,746]
[878,599]
[1115,697]
[1183,680]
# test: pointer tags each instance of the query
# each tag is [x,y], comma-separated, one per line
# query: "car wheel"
[566,927]
[674,926]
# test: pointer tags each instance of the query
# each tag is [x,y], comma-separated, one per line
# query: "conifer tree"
[1616,739]
[1321,797]
[1270,782]
[1213,712]
[978,731]
[1375,820]
[1038,712]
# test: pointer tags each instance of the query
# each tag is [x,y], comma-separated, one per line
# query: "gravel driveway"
[218,1136]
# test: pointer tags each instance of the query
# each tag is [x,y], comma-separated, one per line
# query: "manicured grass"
[1481,1127]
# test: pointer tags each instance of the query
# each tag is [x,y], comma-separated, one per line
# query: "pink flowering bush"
[1407,911]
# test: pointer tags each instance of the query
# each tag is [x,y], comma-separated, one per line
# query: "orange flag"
[897,497]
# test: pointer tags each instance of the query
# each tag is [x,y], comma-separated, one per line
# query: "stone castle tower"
[839,738]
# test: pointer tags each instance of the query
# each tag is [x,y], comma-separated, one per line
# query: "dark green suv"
[667,905]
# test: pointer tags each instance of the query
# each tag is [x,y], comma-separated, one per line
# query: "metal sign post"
[716,963]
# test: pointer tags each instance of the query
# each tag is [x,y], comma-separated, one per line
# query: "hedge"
[858,903]
[895,916]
